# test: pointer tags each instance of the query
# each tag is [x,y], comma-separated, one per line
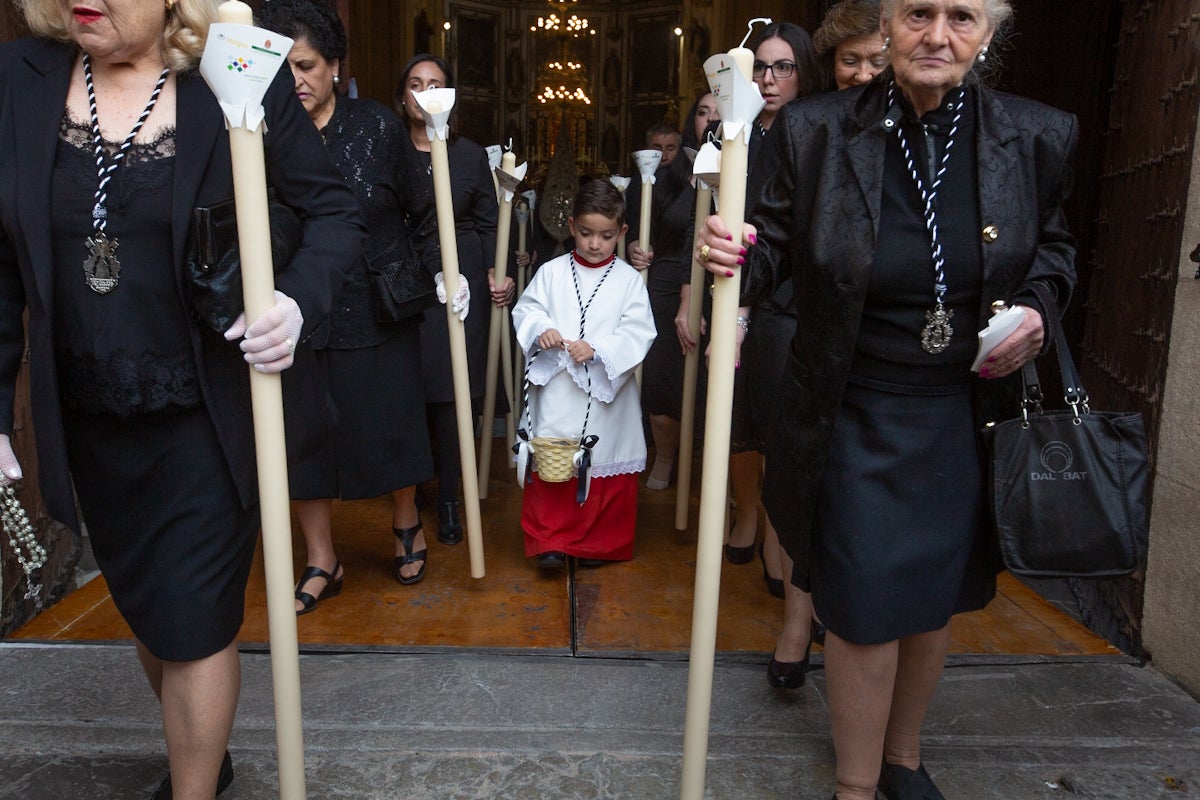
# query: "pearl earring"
[337,79]
[983,54]
[887,43]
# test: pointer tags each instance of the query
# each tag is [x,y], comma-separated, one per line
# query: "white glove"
[10,470]
[462,298]
[270,343]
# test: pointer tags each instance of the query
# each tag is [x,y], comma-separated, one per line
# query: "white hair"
[998,12]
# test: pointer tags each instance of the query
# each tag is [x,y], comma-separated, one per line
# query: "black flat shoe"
[552,560]
[897,782]
[450,529]
[332,587]
[224,778]
[774,585]
[590,563]
[407,537]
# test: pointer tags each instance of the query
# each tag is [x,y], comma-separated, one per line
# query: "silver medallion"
[935,336]
[101,269]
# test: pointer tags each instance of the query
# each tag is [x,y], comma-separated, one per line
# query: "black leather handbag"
[1067,488]
[214,267]
[400,285]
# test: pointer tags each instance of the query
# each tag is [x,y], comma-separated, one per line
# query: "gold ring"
[704,250]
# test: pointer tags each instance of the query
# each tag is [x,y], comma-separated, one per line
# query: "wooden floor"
[642,608]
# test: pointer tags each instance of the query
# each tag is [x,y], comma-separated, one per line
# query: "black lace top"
[129,351]
[363,139]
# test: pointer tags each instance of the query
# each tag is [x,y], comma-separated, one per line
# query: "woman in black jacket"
[135,400]
[901,211]
[475,215]
[379,445]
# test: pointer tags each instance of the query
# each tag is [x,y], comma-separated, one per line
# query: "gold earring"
[170,5]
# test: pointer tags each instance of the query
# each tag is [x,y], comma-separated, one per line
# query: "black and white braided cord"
[104,171]
[929,195]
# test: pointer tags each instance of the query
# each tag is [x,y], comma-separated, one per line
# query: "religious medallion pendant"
[935,336]
[101,269]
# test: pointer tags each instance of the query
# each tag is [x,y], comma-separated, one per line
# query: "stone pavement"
[78,721]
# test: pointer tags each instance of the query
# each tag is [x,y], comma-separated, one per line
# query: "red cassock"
[603,527]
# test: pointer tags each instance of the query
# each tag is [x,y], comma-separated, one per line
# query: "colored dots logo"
[239,64]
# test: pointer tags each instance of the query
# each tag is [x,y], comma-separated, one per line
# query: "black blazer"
[34,78]
[818,223]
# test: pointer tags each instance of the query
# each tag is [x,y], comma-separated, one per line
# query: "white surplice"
[619,327]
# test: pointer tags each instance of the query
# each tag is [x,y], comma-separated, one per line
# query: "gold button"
[991,233]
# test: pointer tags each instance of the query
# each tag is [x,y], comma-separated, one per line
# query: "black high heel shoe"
[774,585]
[738,555]
[792,674]
[332,587]
[897,782]
[224,778]
[450,529]
[407,537]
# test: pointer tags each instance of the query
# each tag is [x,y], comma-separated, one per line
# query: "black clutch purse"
[214,267]
[400,285]
[1067,489]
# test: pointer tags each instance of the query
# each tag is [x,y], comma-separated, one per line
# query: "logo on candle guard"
[239,64]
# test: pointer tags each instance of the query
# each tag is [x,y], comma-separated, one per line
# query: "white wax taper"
[266,399]
[435,112]
[715,467]
[508,164]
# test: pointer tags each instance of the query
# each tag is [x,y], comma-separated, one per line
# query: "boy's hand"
[580,351]
[550,340]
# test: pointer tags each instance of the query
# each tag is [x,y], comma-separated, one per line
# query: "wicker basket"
[554,458]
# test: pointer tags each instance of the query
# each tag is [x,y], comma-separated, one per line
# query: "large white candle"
[435,105]
[266,396]
[735,144]
[508,165]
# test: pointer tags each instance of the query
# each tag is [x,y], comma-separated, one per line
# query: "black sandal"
[332,587]
[407,537]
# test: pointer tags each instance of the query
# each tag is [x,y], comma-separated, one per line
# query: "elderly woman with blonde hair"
[112,138]
[901,210]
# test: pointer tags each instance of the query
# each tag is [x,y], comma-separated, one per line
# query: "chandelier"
[562,77]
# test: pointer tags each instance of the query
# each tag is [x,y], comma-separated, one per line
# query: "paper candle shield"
[238,64]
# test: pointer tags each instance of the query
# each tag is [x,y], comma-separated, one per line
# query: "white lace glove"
[462,298]
[270,343]
[10,469]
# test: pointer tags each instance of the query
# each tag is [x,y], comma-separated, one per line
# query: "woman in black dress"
[670,255]
[874,476]
[379,445]
[135,400]
[475,215]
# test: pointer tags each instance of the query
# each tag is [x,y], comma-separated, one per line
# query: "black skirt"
[380,442]
[899,538]
[662,371]
[166,525]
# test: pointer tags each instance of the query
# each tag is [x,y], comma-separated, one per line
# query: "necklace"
[28,550]
[935,336]
[101,269]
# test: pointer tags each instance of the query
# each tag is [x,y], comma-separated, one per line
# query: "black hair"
[599,196]
[420,58]
[809,76]
[314,20]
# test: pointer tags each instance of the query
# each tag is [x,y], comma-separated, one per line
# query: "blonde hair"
[185,28]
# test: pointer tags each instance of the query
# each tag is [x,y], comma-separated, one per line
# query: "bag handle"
[1074,394]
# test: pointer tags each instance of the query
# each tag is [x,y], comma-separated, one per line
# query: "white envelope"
[999,327]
